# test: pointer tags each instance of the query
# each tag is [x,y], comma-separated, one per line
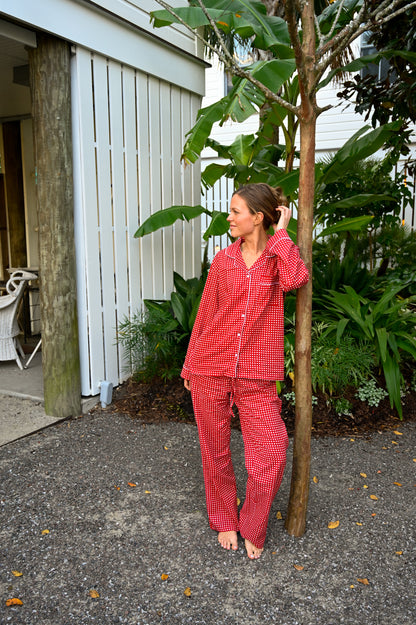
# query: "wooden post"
[50,81]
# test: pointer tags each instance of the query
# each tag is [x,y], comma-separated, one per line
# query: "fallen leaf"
[116,487]
[394,443]
[147,492]
[166,448]
[17,573]
[298,567]
[164,576]
[238,501]
[187,592]
[363,580]
[363,474]
[365,486]
[397,484]
[352,439]
[333,525]
[94,594]
[414,459]
[398,433]
[357,523]
[131,484]
[374,514]
[45,532]
[373,497]
[279,515]
[399,553]
[352,586]
[13,601]
[315,479]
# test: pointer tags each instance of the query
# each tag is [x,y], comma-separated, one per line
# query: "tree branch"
[228,60]
[290,13]
[216,30]
[381,15]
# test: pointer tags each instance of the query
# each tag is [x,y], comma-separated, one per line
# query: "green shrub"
[157,339]
[337,366]
[388,323]
[371,393]
[342,406]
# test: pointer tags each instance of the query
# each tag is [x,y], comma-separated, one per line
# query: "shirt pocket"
[268,291]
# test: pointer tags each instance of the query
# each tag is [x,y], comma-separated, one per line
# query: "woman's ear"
[258,218]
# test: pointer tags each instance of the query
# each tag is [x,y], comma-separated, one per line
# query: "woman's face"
[242,222]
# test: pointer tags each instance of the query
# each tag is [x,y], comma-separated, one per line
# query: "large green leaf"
[218,225]
[358,200]
[274,73]
[292,229]
[179,310]
[168,216]
[361,145]
[381,334]
[199,133]
[241,149]
[346,225]
[392,376]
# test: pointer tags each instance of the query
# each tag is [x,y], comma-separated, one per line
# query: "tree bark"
[299,489]
[51,111]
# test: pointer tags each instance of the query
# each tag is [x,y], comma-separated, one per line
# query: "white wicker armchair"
[10,346]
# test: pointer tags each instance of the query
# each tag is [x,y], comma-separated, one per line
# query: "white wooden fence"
[128,131]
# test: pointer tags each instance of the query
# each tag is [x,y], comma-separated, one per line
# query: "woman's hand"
[285,215]
[187,384]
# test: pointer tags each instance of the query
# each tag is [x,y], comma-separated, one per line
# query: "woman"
[235,355]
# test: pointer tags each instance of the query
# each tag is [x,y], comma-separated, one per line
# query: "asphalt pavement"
[103,521]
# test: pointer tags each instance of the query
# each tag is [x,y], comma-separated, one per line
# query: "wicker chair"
[10,346]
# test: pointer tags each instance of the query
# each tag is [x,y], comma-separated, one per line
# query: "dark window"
[379,70]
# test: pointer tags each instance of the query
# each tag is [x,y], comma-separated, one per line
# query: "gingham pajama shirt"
[236,354]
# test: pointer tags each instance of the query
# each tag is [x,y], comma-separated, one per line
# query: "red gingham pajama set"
[235,355]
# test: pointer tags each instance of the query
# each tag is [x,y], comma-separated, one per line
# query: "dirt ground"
[159,402]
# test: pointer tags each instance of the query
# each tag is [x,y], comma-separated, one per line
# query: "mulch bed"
[159,402]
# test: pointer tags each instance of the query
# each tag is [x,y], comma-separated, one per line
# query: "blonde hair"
[262,198]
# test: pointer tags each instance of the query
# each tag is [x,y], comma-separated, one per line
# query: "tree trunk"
[51,110]
[299,489]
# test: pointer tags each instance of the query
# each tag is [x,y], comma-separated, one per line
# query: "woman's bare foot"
[228,540]
[253,552]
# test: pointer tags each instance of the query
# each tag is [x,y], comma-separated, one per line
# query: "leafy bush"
[388,323]
[337,366]
[371,393]
[342,406]
[157,339]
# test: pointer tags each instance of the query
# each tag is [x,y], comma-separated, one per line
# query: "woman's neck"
[255,242]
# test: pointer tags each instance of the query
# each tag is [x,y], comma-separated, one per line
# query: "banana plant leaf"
[345,225]
[168,216]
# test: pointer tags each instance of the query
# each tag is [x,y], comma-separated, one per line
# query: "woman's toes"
[253,552]
[228,540]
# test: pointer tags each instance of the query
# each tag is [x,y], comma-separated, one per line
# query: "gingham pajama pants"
[265,444]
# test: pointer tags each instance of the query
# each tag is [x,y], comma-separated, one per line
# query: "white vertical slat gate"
[128,131]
